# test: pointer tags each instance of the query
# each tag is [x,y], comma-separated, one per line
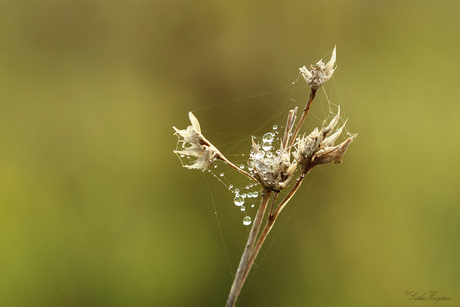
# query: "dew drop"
[242,166]
[252,206]
[275,127]
[182,156]
[221,174]
[267,146]
[255,194]
[243,208]
[269,154]
[243,195]
[237,191]
[230,186]
[247,220]
[239,201]
[268,137]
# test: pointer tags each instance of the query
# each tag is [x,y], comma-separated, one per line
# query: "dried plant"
[277,172]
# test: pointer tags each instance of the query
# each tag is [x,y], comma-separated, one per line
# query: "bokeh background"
[96,210]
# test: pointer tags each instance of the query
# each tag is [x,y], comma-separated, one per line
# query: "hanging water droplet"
[243,208]
[269,154]
[242,166]
[268,137]
[255,194]
[252,206]
[221,174]
[267,146]
[237,191]
[239,201]
[247,220]
[275,127]
[230,186]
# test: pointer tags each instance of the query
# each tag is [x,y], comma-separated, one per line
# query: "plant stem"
[304,115]
[223,158]
[243,267]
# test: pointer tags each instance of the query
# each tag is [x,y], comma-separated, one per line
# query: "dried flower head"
[318,147]
[318,75]
[195,145]
[274,172]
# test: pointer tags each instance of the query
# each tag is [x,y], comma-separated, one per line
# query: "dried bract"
[318,75]
[194,144]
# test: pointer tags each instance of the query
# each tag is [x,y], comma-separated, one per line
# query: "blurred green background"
[96,210]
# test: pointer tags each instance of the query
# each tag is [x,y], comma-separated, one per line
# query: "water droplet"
[237,191]
[221,174]
[247,220]
[267,146]
[242,166]
[269,154]
[243,195]
[255,194]
[275,127]
[268,137]
[239,201]
[252,206]
[230,186]
[243,208]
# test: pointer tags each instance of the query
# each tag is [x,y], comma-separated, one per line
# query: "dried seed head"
[318,75]
[318,147]
[195,145]
[276,172]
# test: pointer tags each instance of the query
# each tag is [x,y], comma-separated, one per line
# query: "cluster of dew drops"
[240,196]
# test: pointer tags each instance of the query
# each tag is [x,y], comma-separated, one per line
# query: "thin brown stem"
[271,221]
[223,158]
[304,115]
[243,267]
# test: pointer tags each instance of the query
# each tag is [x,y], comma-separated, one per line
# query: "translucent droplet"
[247,220]
[275,127]
[237,191]
[268,137]
[243,208]
[239,201]
[230,186]
[255,194]
[252,206]
[221,174]
[242,166]
[215,166]
[269,154]
[243,195]
[267,146]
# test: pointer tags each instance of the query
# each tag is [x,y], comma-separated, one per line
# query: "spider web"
[243,195]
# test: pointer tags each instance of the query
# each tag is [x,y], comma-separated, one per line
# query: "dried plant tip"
[195,145]
[335,153]
[318,75]
[318,147]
